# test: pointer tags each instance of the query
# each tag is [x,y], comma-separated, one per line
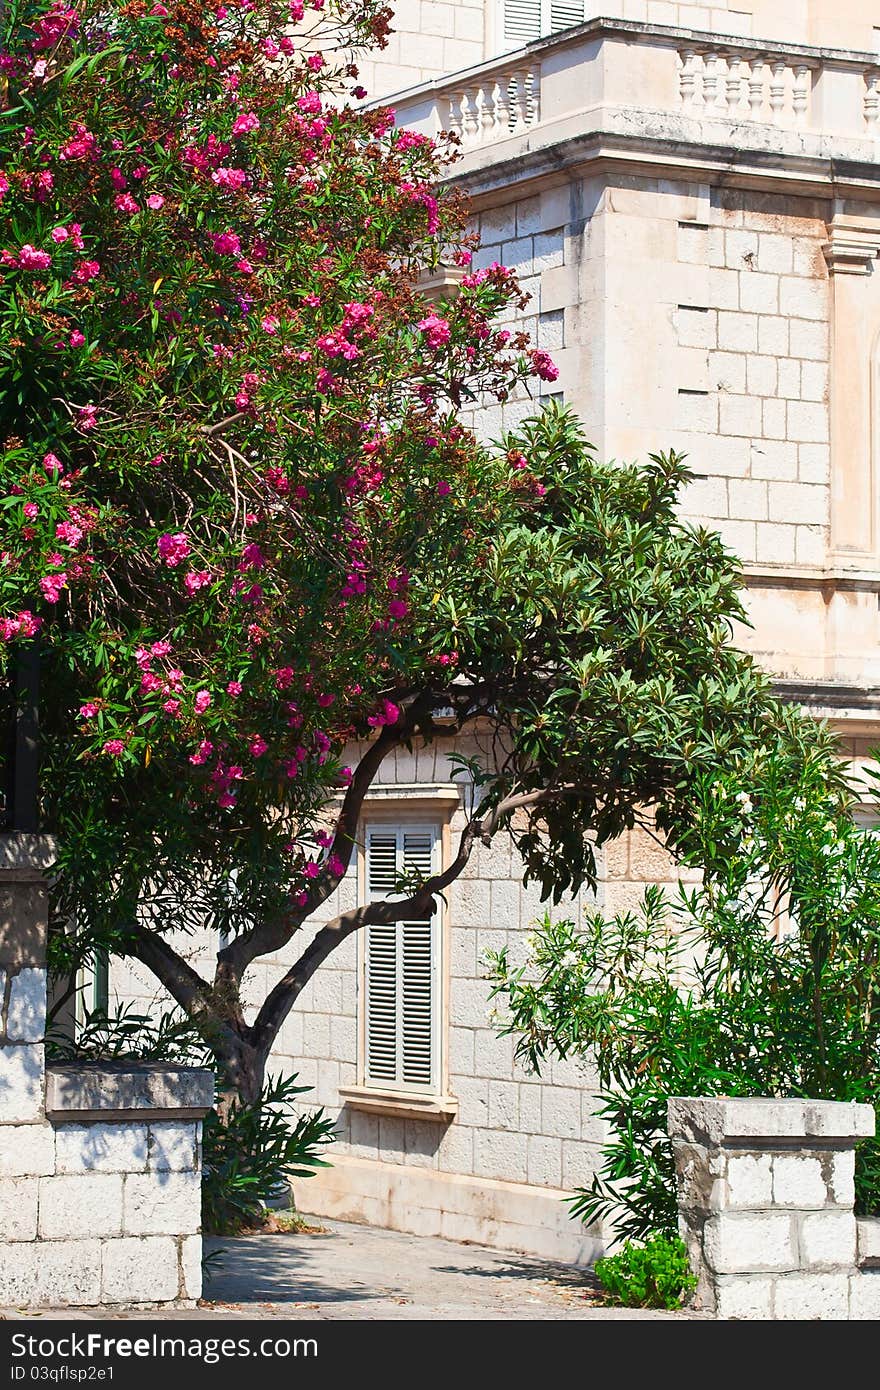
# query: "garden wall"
[100,1165]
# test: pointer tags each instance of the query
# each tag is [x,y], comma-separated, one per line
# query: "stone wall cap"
[715,1119]
[76,1091]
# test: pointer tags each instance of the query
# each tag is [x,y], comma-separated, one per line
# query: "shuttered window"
[401,970]
[525,20]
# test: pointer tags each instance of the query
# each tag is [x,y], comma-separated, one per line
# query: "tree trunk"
[243,1071]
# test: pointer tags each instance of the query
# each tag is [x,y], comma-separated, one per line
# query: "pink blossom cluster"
[173,548]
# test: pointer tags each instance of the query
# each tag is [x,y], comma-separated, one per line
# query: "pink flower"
[301,899]
[85,271]
[195,580]
[202,753]
[76,339]
[202,701]
[69,533]
[160,649]
[443,488]
[114,746]
[125,203]
[52,585]
[242,125]
[436,330]
[544,366]
[336,866]
[311,869]
[88,710]
[172,707]
[258,746]
[118,179]
[225,243]
[173,548]
[226,800]
[31,510]
[52,465]
[397,609]
[324,839]
[59,234]
[4,185]
[231,179]
[87,417]
[155,201]
[234,688]
[29,258]
[309,104]
[270,324]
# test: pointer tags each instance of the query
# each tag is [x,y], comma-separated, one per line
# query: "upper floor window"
[525,20]
[401,979]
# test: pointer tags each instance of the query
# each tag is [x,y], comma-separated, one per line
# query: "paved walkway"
[347,1271]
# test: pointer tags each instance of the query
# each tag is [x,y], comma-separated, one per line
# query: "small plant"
[126,1035]
[251,1151]
[653,1275]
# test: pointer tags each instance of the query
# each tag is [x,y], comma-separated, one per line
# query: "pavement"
[345,1271]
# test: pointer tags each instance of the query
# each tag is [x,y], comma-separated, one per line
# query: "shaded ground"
[360,1272]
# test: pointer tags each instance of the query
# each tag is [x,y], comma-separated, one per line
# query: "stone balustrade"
[622,69]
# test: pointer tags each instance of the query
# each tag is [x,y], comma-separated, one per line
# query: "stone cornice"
[853,245]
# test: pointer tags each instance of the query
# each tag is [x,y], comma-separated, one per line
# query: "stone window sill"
[407,1107]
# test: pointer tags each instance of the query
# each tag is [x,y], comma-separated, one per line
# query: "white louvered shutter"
[525,20]
[522,22]
[402,970]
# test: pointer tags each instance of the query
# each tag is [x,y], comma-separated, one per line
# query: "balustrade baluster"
[778,69]
[487,110]
[688,77]
[735,83]
[756,87]
[455,114]
[710,79]
[872,101]
[518,98]
[801,93]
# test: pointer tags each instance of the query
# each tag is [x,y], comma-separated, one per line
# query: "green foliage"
[654,1275]
[126,1034]
[763,980]
[252,1149]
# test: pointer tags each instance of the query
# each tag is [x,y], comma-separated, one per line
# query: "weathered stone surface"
[162,1203]
[139,1270]
[51,1273]
[191,1266]
[749,1243]
[24,911]
[74,1092]
[868,1241]
[173,1147]
[864,1295]
[26,1150]
[749,1180]
[798,1181]
[828,1240]
[80,1205]
[744,1298]
[26,1017]
[812,1296]
[101,1148]
[18,1206]
[721,1118]
[21,1082]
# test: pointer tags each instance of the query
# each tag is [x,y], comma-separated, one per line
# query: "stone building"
[691,195]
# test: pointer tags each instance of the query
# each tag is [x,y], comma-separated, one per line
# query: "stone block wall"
[766,1207]
[100,1166]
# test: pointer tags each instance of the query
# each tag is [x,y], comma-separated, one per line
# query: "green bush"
[764,980]
[654,1275]
[251,1151]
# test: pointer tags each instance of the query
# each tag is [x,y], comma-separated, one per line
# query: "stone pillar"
[100,1164]
[24,860]
[766,1205]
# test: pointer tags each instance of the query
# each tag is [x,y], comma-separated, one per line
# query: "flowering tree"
[242,517]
